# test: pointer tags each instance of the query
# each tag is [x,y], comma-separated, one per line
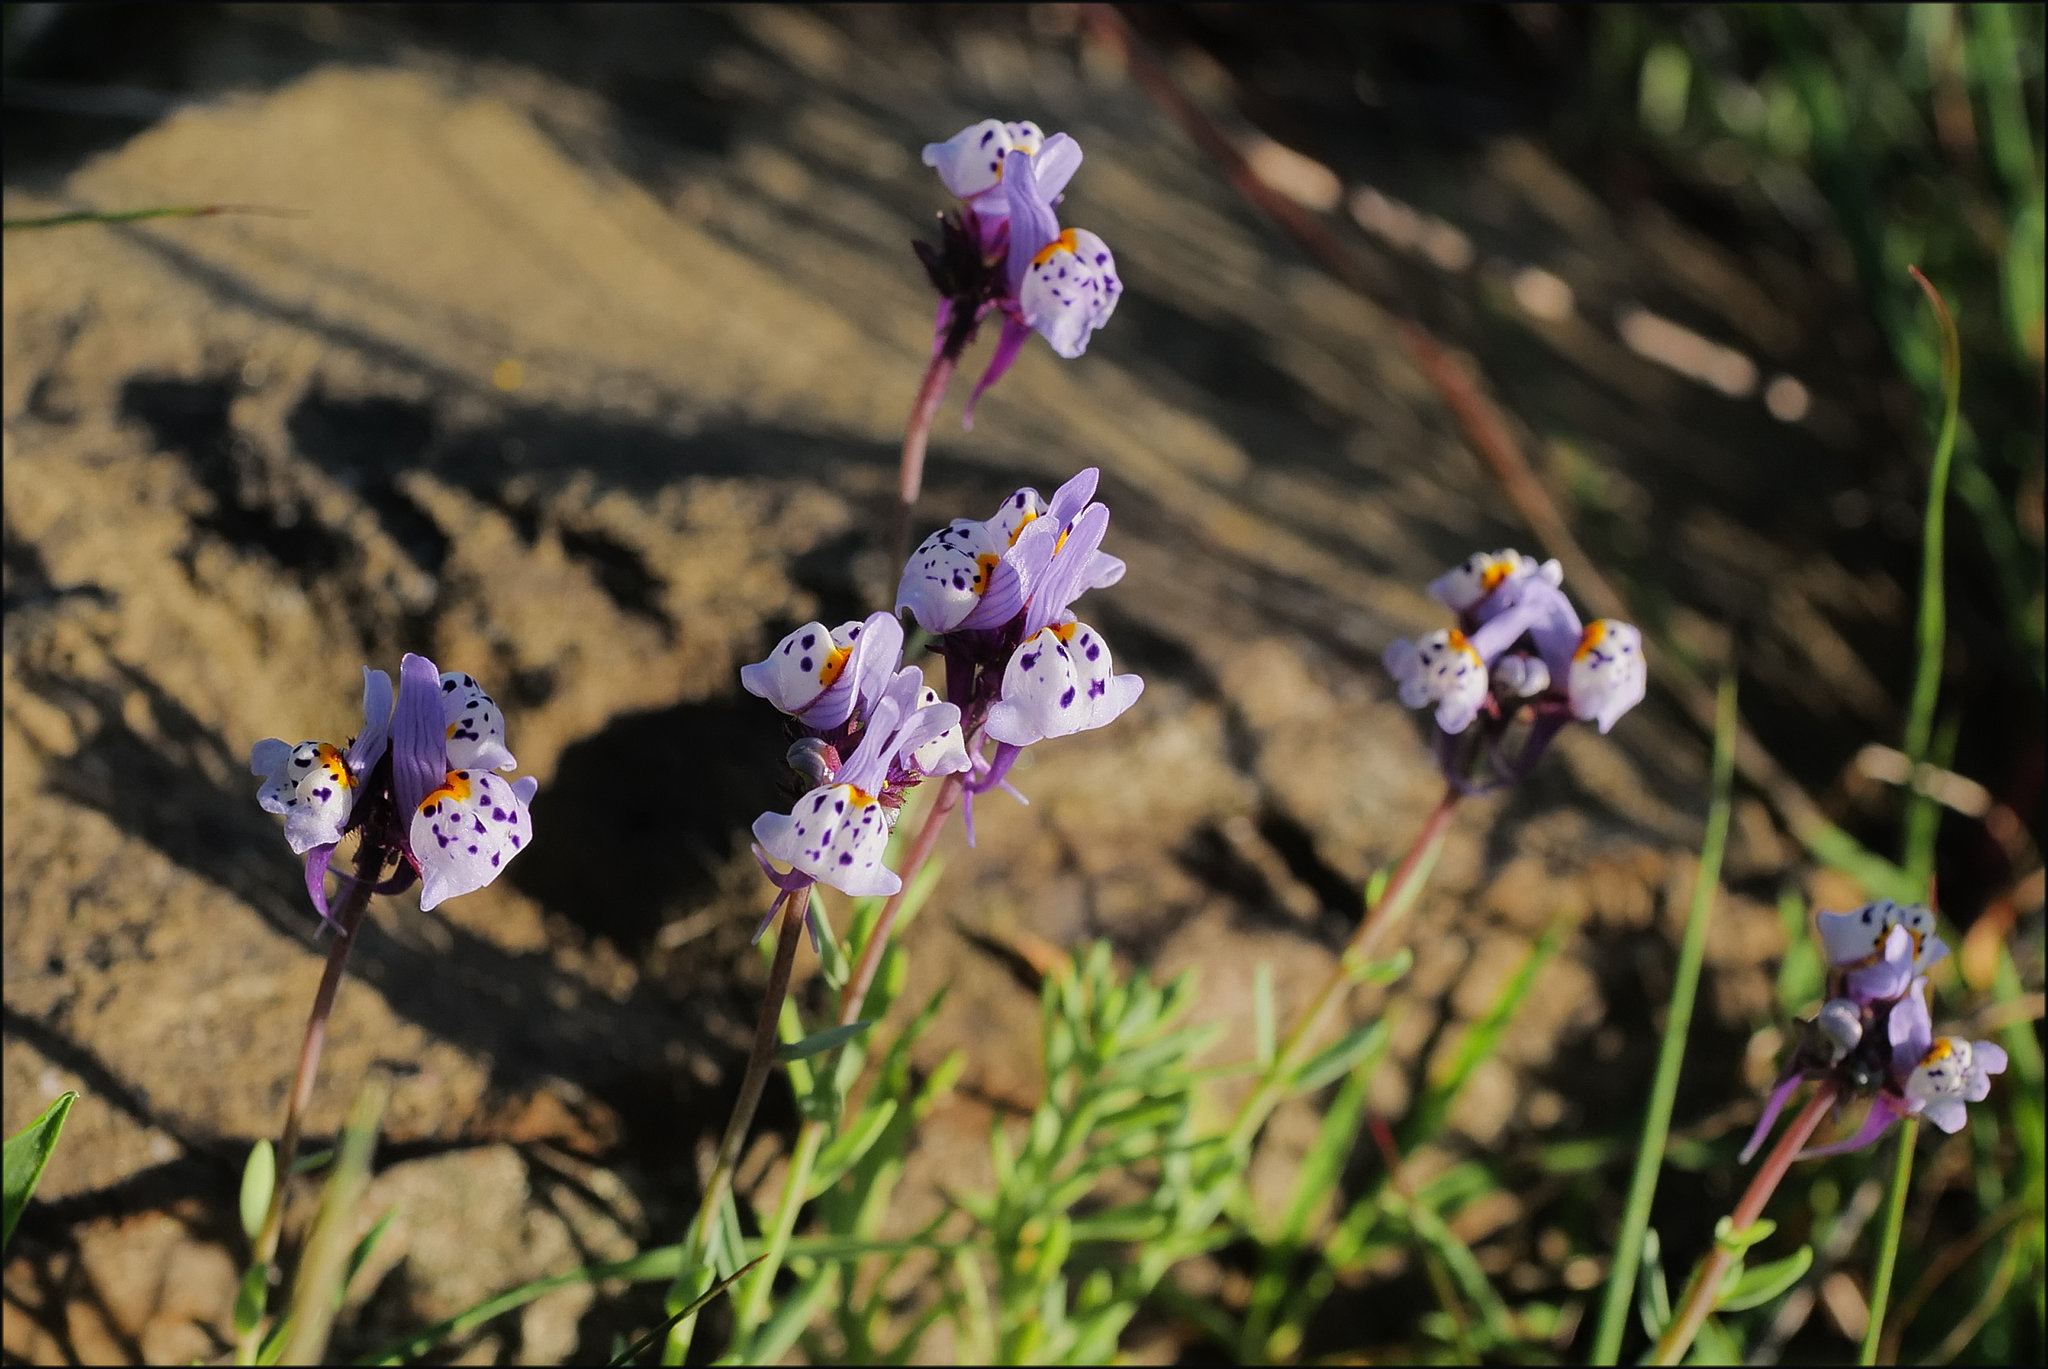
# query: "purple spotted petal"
[467,830]
[1032,222]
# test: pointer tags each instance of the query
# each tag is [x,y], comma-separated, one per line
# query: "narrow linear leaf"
[1342,1055]
[820,1042]
[696,1305]
[360,1256]
[1262,1012]
[26,1152]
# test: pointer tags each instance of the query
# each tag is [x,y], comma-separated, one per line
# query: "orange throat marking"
[1063,243]
[455,789]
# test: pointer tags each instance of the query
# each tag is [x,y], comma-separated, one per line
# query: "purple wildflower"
[1518,651]
[1875,1033]
[415,783]
[1006,252]
[998,597]
[849,692]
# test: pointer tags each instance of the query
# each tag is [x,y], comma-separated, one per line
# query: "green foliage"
[23,1159]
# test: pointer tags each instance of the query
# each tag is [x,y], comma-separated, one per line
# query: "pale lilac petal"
[1947,1113]
[378,700]
[475,726]
[1071,498]
[464,832]
[877,653]
[867,769]
[1065,577]
[1057,683]
[1032,222]
[1107,694]
[1057,161]
[1888,976]
[1608,674]
[419,746]
[1910,1028]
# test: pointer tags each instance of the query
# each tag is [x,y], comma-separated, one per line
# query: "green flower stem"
[1621,1281]
[760,1062]
[1395,902]
[348,917]
[1888,1242]
[753,1300]
[1702,1291]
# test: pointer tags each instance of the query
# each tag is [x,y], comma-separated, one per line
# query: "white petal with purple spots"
[467,830]
[310,784]
[1070,290]
[800,668]
[1608,673]
[949,573]
[837,835]
[1444,669]
[476,726]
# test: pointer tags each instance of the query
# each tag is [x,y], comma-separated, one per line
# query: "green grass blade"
[660,1265]
[1931,630]
[1479,1042]
[164,211]
[1888,1242]
[26,1153]
[1664,1089]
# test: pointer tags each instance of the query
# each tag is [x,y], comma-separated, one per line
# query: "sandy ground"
[591,388]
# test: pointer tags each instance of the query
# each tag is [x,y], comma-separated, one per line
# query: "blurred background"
[581,365]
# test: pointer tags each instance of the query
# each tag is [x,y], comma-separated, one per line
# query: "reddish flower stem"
[1703,1290]
[855,995]
[348,918]
[910,476]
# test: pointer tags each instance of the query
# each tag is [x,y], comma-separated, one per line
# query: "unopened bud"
[816,759]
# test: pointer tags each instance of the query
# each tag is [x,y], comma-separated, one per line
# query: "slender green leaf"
[697,1305]
[360,1256]
[1341,1056]
[1642,1189]
[820,1042]
[23,1158]
[847,1149]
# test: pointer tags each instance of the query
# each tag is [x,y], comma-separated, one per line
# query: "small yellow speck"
[508,375]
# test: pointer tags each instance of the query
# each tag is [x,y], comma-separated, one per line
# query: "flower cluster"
[850,695]
[1519,650]
[1875,1033]
[997,597]
[415,783]
[1005,250]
